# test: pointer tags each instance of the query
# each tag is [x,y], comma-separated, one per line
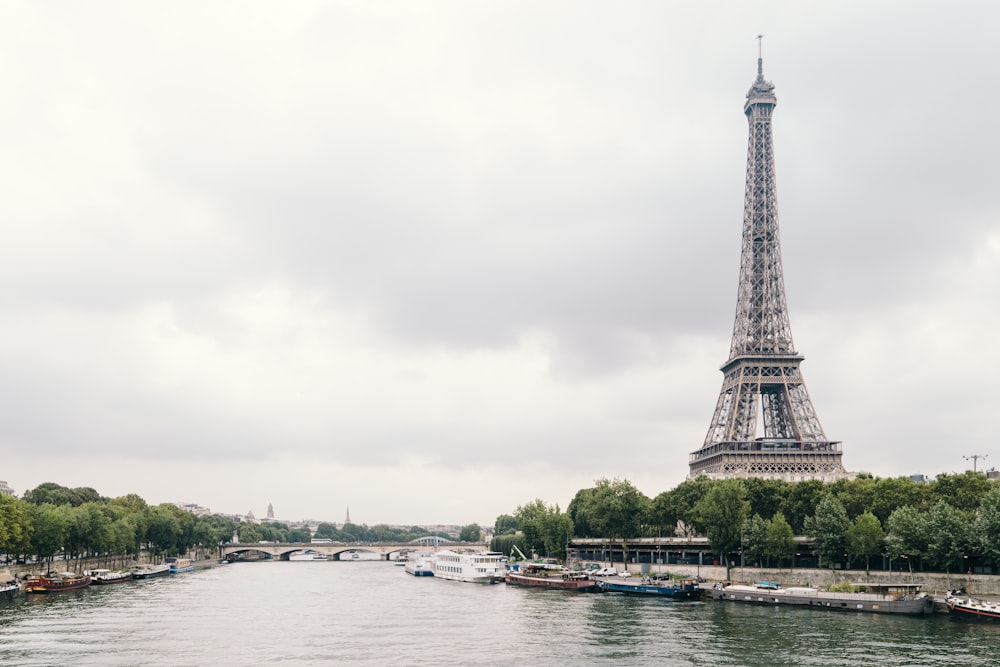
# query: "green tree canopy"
[906,537]
[721,514]
[964,491]
[987,526]
[948,536]
[470,533]
[828,528]
[865,538]
[780,543]
[755,540]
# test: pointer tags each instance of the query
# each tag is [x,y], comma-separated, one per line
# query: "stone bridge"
[338,550]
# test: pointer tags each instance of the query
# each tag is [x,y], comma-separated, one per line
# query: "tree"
[780,540]
[557,529]
[801,501]
[49,531]
[55,494]
[577,511]
[505,525]
[987,526]
[766,496]
[907,535]
[326,531]
[615,508]
[15,525]
[865,538]
[721,514]
[895,492]
[678,504]
[947,536]
[856,495]
[828,528]
[528,518]
[754,539]
[163,531]
[249,533]
[470,533]
[964,491]
[544,528]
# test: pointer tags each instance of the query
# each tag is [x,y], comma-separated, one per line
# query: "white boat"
[148,571]
[482,567]
[9,587]
[419,565]
[965,607]
[102,576]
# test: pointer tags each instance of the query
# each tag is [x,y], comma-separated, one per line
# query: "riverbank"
[81,565]
[934,583]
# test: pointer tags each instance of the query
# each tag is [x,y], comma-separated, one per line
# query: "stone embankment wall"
[934,583]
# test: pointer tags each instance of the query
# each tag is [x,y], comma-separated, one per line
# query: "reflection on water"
[374,614]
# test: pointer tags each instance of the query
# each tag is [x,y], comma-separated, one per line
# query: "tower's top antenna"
[760,57]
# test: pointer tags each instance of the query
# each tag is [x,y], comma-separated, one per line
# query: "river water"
[338,613]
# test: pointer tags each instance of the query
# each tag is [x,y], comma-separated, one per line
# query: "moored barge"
[877,598]
[540,576]
[55,582]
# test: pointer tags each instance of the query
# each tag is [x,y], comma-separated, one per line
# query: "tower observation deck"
[764,423]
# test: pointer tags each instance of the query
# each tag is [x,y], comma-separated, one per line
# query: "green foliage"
[578,514]
[721,514]
[505,525]
[766,496]
[505,544]
[15,525]
[754,540]
[544,529]
[828,528]
[856,495]
[780,540]
[987,526]
[54,494]
[470,533]
[948,536]
[964,492]
[801,501]
[844,587]
[894,492]
[616,509]
[51,527]
[907,535]
[678,504]
[865,538]
[250,533]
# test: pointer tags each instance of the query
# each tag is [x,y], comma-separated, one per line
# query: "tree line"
[76,523]
[53,520]
[947,524]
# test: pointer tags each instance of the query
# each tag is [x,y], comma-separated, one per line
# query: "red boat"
[54,582]
[542,577]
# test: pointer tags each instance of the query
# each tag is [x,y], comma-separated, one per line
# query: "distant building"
[250,518]
[992,473]
[920,479]
[5,488]
[194,508]
[270,512]
[347,519]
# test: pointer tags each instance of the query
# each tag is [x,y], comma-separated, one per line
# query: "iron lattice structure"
[763,384]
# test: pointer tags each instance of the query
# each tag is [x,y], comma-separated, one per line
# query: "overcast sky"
[433,260]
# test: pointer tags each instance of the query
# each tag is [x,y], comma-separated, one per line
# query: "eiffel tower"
[762,383]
